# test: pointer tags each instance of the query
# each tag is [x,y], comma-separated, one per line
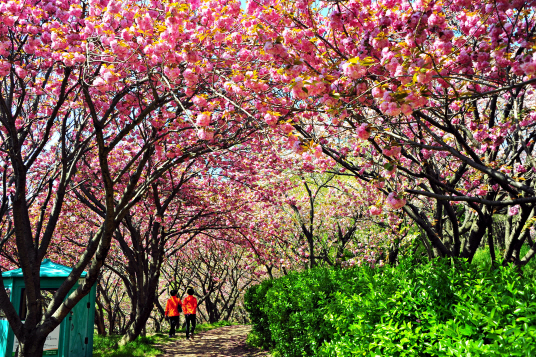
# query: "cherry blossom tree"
[81,85]
[177,208]
[431,101]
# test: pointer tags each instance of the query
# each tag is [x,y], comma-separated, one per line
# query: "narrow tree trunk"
[499,233]
[491,244]
[269,270]
[99,321]
[311,244]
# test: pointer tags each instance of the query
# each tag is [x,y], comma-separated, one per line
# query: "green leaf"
[389,166]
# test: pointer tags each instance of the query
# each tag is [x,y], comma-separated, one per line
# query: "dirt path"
[229,341]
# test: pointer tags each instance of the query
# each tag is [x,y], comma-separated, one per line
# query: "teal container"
[74,336]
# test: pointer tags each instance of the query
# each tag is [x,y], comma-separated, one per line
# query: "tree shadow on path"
[228,341]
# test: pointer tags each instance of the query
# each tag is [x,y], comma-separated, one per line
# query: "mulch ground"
[228,341]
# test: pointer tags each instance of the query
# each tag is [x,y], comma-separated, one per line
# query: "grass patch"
[482,259]
[144,345]
[207,326]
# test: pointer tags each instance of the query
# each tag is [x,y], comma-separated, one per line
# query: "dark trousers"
[173,322]
[190,321]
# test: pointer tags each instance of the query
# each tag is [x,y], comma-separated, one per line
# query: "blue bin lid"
[48,269]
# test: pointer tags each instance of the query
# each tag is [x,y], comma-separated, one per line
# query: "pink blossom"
[363,131]
[392,151]
[406,109]
[520,168]
[353,70]
[199,101]
[19,123]
[270,119]
[21,72]
[375,210]
[481,192]
[205,134]
[395,201]
[4,68]
[377,92]
[287,128]
[298,91]
[318,151]
[513,210]
[190,75]
[203,119]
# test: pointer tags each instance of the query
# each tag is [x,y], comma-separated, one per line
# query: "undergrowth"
[442,308]
[151,345]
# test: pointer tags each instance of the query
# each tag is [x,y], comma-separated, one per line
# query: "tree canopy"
[276,135]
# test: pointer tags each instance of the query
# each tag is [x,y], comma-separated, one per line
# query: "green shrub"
[296,311]
[254,299]
[431,310]
[253,340]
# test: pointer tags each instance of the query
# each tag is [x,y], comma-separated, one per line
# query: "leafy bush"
[254,299]
[430,310]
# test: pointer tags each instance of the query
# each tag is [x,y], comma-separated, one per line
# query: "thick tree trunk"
[475,238]
[139,323]
[111,320]
[211,310]
[138,320]
[393,253]
[157,323]
[32,348]
[145,301]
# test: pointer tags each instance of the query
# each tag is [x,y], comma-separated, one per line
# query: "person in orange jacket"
[190,309]
[172,313]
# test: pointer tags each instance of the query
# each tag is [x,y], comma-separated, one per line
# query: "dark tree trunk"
[311,245]
[32,348]
[491,244]
[477,232]
[516,235]
[393,252]
[138,325]
[211,310]
[99,321]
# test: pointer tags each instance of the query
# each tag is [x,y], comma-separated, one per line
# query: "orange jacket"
[190,305]
[171,306]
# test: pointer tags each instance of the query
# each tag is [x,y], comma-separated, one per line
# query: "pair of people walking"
[174,306]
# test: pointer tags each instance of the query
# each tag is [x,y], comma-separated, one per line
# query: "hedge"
[437,309]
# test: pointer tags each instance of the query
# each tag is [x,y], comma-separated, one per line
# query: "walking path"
[228,341]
